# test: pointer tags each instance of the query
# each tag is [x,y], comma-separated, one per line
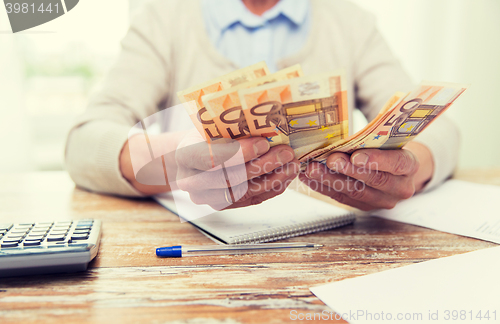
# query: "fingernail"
[360,159]
[339,164]
[316,173]
[285,156]
[261,147]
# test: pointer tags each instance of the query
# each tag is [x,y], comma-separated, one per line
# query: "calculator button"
[34,237]
[44,224]
[81,232]
[20,229]
[86,228]
[67,224]
[37,227]
[61,227]
[83,229]
[31,243]
[17,232]
[79,236]
[5,227]
[9,244]
[58,232]
[84,225]
[38,232]
[26,224]
[55,238]
[13,237]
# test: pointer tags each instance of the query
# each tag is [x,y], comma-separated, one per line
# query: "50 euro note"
[307,112]
[225,108]
[410,116]
[192,97]
[321,154]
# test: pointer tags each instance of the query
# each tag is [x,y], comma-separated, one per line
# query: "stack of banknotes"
[308,113]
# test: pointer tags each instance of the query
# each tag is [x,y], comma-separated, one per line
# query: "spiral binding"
[284,232]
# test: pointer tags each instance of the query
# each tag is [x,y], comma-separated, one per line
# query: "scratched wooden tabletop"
[127,283]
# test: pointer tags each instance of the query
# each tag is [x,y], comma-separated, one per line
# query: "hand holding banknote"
[357,173]
[374,168]
[223,174]
[230,173]
[371,178]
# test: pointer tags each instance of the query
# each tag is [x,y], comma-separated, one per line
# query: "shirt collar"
[225,13]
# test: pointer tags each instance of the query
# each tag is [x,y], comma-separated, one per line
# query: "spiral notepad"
[290,214]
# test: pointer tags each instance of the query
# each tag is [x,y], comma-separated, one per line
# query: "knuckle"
[184,184]
[218,206]
[406,192]
[265,166]
[378,179]
[416,166]
[242,192]
[184,155]
[237,175]
[203,180]
[196,199]
[389,204]
[366,208]
[357,194]
[337,196]
[405,163]
[401,164]
[256,201]
[246,196]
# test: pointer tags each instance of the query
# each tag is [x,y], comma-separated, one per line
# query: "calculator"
[48,247]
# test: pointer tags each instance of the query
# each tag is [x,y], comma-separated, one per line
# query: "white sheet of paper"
[457,207]
[457,289]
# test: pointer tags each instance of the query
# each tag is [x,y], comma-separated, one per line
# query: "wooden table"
[127,283]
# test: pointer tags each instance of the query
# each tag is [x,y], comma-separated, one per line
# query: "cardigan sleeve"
[134,87]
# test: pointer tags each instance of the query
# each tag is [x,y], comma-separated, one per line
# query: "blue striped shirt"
[245,38]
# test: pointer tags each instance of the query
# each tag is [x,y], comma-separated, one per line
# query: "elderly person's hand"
[232,174]
[370,178]
[223,174]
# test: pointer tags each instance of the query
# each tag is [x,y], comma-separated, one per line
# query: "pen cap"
[170,251]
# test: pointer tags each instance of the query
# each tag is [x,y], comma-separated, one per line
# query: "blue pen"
[200,250]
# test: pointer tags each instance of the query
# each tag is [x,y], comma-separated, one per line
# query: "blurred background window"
[48,72]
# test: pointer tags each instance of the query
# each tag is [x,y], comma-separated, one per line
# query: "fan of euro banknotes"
[309,113]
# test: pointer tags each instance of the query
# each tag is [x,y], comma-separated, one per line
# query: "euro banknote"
[225,108]
[408,117]
[197,111]
[306,113]
[309,113]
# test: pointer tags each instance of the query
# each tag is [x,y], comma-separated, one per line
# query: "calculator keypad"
[44,234]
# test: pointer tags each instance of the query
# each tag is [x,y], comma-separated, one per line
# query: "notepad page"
[457,207]
[290,209]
